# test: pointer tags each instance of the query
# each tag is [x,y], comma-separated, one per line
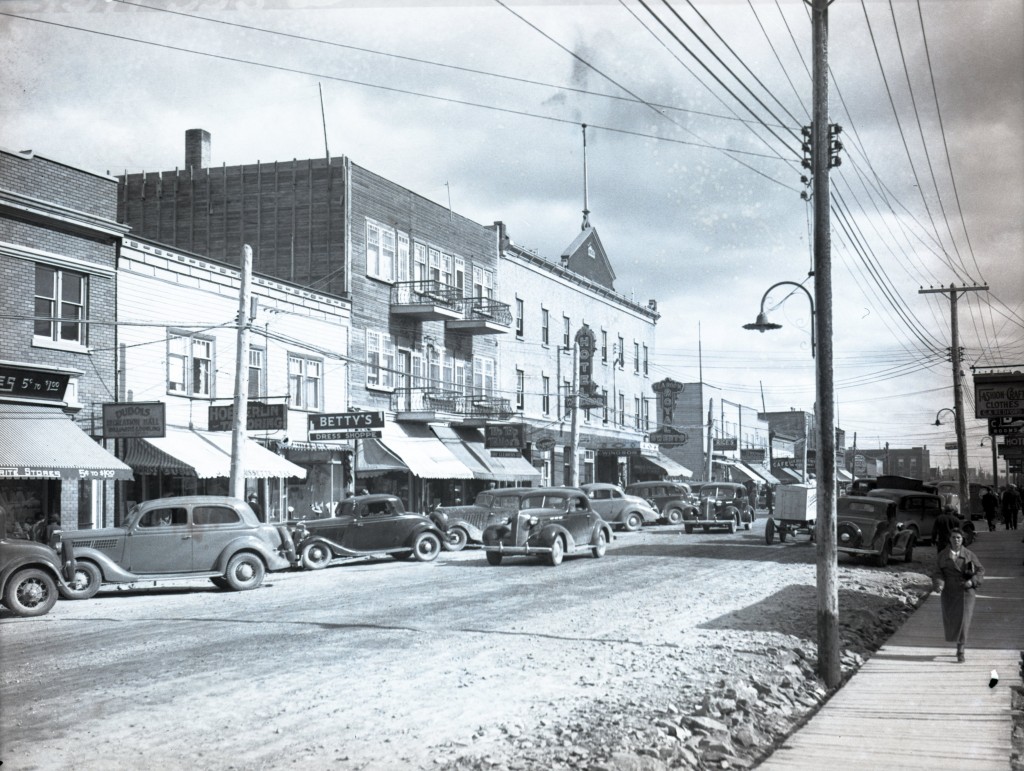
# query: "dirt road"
[684,649]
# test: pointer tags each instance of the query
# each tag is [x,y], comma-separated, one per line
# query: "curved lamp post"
[763,325]
[938,414]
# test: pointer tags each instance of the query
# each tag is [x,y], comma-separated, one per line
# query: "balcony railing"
[433,300]
[486,309]
[432,400]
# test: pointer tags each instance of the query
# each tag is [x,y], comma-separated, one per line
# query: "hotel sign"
[134,420]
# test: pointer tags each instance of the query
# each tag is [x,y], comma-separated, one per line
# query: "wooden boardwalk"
[911,706]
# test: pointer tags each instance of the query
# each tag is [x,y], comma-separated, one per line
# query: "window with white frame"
[380,251]
[622,409]
[604,401]
[189,365]
[460,275]
[403,267]
[257,373]
[483,282]
[545,320]
[604,345]
[434,264]
[636,357]
[638,414]
[545,394]
[449,371]
[563,397]
[305,382]
[646,369]
[621,353]
[483,376]
[566,336]
[60,305]
[419,262]
[433,367]
[447,266]
[520,389]
[519,317]
[380,360]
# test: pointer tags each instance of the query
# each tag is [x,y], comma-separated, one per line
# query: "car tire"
[706,528]
[457,539]
[601,546]
[557,553]
[782,533]
[494,558]
[688,529]
[731,527]
[674,516]
[220,582]
[245,571]
[882,559]
[769,531]
[633,522]
[908,554]
[316,555]
[86,582]
[30,592]
[426,547]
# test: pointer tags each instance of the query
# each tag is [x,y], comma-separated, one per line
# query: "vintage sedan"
[32,574]
[367,525]
[620,510]
[192,536]
[724,505]
[465,525]
[868,527]
[547,522]
[671,499]
[918,511]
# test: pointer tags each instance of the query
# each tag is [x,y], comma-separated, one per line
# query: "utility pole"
[958,396]
[711,438]
[574,422]
[241,379]
[827,548]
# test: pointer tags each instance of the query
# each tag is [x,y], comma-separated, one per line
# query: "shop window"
[189,365]
[60,306]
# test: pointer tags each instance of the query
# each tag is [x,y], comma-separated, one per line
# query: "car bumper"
[858,552]
[510,549]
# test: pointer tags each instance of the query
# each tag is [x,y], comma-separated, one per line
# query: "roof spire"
[586,210]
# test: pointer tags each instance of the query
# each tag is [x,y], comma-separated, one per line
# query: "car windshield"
[485,499]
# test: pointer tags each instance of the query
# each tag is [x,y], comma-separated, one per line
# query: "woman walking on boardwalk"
[958,573]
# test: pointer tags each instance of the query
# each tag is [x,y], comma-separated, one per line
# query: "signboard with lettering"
[725,443]
[1005,426]
[999,395]
[134,420]
[343,425]
[36,383]
[753,455]
[1010,452]
[951,445]
[259,416]
[509,437]
[668,437]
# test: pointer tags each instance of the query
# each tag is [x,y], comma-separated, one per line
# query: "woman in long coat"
[958,573]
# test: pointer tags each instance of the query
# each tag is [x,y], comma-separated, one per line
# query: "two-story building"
[58,248]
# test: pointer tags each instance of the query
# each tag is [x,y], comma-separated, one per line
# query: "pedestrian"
[1011,507]
[958,573]
[945,524]
[990,505]
[254,504]
[769,500]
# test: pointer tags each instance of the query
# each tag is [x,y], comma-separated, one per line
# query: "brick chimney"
[197,148]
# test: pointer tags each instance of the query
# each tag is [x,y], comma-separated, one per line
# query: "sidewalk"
[911,706]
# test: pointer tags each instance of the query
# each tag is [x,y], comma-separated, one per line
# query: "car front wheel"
[30,592]
[883,556]
[908,554]
[601,546]
[426,547]
[557,552]
[316,555]
[84,583]
[494,558]
[633,522]
[674,516]
[457,539]
[245,571]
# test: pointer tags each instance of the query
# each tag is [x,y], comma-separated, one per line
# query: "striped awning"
[206,455]
[495,467]
[45,443]
[422,452]
[672,469]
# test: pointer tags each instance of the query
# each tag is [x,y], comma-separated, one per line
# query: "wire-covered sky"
[694,114]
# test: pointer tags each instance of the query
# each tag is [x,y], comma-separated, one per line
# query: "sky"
[693,150]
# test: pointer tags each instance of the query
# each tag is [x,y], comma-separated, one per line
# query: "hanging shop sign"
[134,420]
[753,455]
[725,444]
[259,416]
[345,425]
[35,383]
[999,395]
[508,437]
[1005,426]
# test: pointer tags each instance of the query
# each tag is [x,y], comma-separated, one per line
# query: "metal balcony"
[482,316]
[426,300]
[427,404]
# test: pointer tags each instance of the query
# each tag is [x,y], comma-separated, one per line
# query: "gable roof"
[587,257]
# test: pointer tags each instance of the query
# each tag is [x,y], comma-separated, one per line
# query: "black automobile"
[32,575]
[367,525]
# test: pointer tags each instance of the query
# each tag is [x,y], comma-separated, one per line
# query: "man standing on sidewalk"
[1011,507]
[989,505]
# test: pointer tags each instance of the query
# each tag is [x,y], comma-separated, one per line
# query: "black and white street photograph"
[511,385]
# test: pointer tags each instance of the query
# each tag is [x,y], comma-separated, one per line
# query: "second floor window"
[566,337]
[646,369]
[305,382]
[636,358]
[639,415]
[545,395]
[380,251]
[189,365]
[519,317]
[604,345]
[257,373]
[380,360]
[483,376]
[620,354]
[60,306]
[520,388]
[544,326]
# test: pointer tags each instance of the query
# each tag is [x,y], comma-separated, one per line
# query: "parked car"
[366,525]
[194,536]
[619,509]
[722,505]
[671,499]
[547,521]
[950,493]
[466,524]
[31,575]
[918,511]
[868,527]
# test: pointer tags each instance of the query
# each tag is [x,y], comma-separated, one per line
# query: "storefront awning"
[206,455]
[462,451]
[843,475]
[425,455]
[374,459]
[740,469]
[503,468]
[45,443]
[789,476]
[672,469]
[765,474]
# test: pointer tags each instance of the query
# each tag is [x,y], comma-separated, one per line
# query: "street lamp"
[938,422]
[763,325]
